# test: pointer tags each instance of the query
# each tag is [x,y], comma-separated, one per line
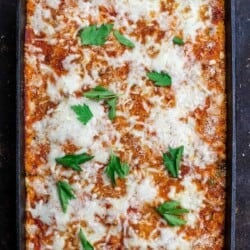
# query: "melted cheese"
[133,8]
[53,3]
[58,242]
[171,131]
[166,240]
[149,120]
[190,198]
[62,126]
[38,22]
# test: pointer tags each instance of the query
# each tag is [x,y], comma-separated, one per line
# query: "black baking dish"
[231,129]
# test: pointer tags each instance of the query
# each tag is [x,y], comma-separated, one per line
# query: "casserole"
[230,136]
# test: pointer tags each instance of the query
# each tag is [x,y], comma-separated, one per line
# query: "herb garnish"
[73,161]
[160,79]
[172,160]
[65,193]
[171,212]
[123,40]
[83,113]
[177,40]
[109,97]
[93,35]
[84,242]
[116,167]
[100,93]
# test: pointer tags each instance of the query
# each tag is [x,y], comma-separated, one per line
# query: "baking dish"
[231,133]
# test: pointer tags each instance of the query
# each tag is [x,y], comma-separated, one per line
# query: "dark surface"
[7,124]
[243,124]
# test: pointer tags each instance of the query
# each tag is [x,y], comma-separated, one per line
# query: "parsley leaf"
[83,113]
[177,40]
[123,40]
[172,160]
[65,193]
[85,243]
[73,161]
[171,212]
[160,79]
[112,105]
[93,35]
[116,167]
[100,93]
[109,97]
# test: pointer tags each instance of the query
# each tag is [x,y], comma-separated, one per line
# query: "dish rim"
[230,51]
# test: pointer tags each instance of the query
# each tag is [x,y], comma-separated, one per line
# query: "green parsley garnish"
[109,97]
[73,161]
[93,35]
[160,79]
[83,113]
[100,93]
[84,242]
[123,40]
[172,160]
[112,107]
[171,211]
[177,40]
[116,168]
[65,193]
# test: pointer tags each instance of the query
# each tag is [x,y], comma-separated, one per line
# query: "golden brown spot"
[71,234]
[41,103]
[204,12]
[167,93]
[29,36]
[205,48]
[30,6]
[40,235]
[168,6]
[153,52]
[140,153]
[114,242]
[114,49]
[138,108]
[104,191]
[146,224]
[187,10]
[106,14]
[185,170]
[110,74]
[218,12]
[69,148]
[145,30]
[164,182]
[211,127]
[121,122]
[34,158]
[54,57]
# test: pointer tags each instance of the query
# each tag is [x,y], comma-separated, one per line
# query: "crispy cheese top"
[149,120]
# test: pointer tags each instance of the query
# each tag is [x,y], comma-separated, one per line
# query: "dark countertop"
[7,124]
[243,124]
